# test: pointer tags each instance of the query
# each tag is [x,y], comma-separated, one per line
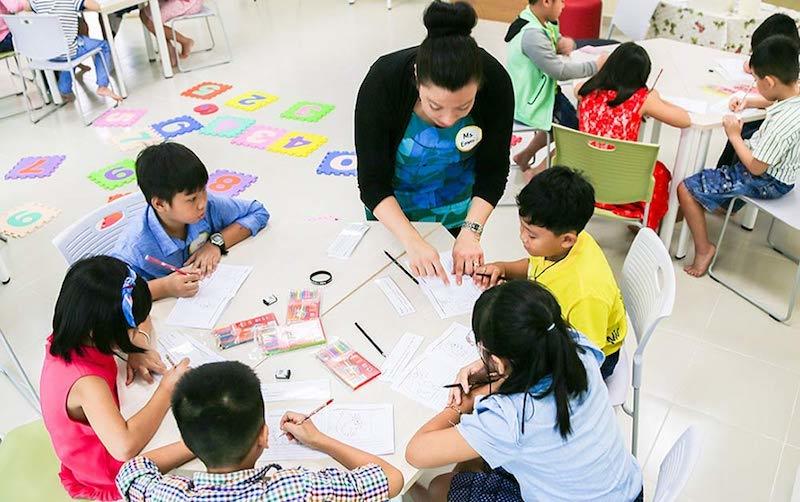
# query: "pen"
[744,99]
[401,267]
[320,408]
[502,277]
[471,385]
[162,264]
[370,339]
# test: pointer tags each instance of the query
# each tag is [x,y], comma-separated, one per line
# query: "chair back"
[677,466]
[38,37]
[632,17]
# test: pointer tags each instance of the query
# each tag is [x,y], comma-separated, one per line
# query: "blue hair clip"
[127,297]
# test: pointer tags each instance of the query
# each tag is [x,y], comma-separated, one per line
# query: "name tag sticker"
[468,138]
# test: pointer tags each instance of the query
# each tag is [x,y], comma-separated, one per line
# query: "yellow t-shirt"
[586,289]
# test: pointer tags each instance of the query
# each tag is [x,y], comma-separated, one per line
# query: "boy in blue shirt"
[183,225]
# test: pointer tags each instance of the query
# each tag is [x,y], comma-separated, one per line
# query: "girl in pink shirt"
[9,7]
[98,315]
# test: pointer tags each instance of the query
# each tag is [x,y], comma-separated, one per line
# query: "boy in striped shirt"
[68,12]
[768,162]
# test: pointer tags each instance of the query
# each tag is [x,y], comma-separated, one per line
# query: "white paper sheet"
[368,427]
[179,345]
[424,379]
[205,308]
[450,300]
[732,71]
[297,390]
[347,240]
[395,295]
[690,105]
[722,107]
[398,359]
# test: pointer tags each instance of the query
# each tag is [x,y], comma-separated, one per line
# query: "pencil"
[657,77]
[744,99]
[320,408]
[370,339]
[401,267]
[156,261]
[502,277]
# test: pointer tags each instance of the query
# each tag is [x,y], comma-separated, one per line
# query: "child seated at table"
[68,12]
[767,164]
[102,311]
[171,9]
[776,24]
[9,7]
[220,413]
[183,225]
[554,209]
[534,43]
[613,104]
[543,429]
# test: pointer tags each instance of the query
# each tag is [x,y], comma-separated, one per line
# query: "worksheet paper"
[399,357]
[690,105]
[732,70]
[347,240]
[424,379]
[368,427]
[297,390]
[205,308]
[395,295]
[722,107]
[450,300]
[180,345]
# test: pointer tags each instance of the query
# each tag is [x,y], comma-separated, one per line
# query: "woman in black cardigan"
[432,131]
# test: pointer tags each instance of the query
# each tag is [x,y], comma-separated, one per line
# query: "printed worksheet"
[450,300]
[174,346]
[205,308]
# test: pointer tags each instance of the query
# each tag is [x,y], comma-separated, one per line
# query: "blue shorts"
[563,112]
[715,188]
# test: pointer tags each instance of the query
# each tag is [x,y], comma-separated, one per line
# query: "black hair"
[168,169]
[220,412]
[776,24]
[777,57]
[89,308]
[449,57]
[520,321]
[558,199]
[626,71]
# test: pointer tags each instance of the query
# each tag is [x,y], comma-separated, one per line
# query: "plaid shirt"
[139,480]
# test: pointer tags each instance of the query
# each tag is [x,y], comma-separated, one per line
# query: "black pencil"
[502,277]
[370,339]
[401,268]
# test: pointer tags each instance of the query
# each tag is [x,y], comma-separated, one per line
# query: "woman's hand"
[424,260]
[145,364]
[467,254]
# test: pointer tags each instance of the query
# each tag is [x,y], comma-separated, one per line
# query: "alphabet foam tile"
[137,139]
[24,219]
[259,136]
[176,126]
[229,183]
[251,101]
[299,144]
[206,90]
[227,126]
[338,163]
[115,175]
[119,117]
[35,167]
[307,111]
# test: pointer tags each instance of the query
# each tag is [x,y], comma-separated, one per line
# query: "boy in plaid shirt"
[220,413]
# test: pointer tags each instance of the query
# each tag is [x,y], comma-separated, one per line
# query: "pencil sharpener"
[270,300]
[283,374]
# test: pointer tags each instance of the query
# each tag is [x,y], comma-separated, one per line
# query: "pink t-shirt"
[8,7]
[87,468]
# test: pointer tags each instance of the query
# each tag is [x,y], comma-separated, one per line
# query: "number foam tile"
[206,90]
[233,126]
[119,117]
[259,136]
[236,182]
[106,178]
[14,223]
[298,144]
[307,111]
[188,124]
[251,101]
[137,139]
[35,167]
[338,163]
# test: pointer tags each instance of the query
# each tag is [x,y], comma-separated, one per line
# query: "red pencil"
[163,264]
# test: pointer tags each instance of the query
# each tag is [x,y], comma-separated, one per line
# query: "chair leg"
[548,159]
[5,275]
[210,34]
[25,387]
[148,44]
[635,426]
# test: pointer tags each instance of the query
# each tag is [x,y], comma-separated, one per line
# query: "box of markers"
[347,364]
[242,331]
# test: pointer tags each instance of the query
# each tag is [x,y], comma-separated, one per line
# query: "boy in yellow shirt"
[554,209]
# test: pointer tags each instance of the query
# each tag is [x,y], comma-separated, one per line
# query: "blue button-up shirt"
[148,237]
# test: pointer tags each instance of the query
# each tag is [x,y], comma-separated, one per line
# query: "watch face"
[217,240]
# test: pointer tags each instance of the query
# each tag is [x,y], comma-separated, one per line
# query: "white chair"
[677,466]
[40,38]
[98,232]
[632,17]
[5,275]
[648,288]
[208,11]
[21,382]
[787,210]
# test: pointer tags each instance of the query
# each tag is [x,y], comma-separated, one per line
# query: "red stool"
[581,18]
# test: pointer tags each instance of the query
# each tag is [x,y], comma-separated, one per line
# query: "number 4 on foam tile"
[115,175]
[251,101]
[299,144]
[24,219]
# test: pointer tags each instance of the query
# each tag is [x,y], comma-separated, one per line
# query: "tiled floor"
[717,363]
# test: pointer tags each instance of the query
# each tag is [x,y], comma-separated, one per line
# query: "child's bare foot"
[702,261]
[523,160]
[186,48]
[108,93]
[68,98]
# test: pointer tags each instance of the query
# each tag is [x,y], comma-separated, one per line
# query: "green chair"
[621,172]
[29,466]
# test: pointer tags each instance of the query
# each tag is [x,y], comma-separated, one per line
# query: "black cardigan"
[384,106]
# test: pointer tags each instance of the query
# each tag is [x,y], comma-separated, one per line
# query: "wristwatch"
[217,240]
[473,226]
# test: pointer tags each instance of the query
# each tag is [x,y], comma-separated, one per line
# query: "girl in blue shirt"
[531,419]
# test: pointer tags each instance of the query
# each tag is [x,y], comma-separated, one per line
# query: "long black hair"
[520,321]
[89,308]
[625,71]
[449,57]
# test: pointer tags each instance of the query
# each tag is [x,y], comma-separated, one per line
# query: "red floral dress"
[623,121]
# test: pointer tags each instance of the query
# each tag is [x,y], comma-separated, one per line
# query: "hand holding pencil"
[298,426]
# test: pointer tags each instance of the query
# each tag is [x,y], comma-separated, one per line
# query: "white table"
[111,6]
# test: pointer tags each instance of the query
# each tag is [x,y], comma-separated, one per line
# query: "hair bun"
[449,19]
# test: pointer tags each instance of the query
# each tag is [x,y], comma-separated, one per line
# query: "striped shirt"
[139,480]
[67,12]
[777,141]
